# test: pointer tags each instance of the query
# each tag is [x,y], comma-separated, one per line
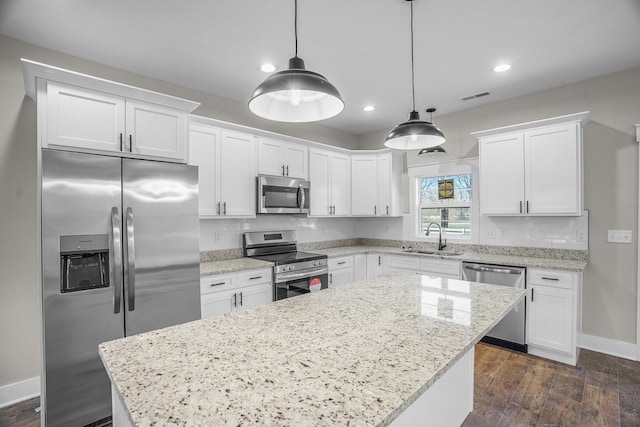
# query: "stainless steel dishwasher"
[510,331]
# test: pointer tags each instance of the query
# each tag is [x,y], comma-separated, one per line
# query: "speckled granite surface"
[354,355]
[512,260]
[209,268]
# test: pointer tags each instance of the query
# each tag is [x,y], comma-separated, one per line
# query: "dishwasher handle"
[492,269]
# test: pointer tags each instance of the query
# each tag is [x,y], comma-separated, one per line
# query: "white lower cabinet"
[553,313]
[440,267]
[375,265]
[340,271]
[225,293]
[359,267]
[393,263]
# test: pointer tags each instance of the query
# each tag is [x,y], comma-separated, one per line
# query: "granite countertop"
[511,260]
[357,354]
[210,268]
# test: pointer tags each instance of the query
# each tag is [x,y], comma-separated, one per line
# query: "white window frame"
[454,167]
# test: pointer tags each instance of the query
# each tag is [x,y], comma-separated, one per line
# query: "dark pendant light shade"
[296,95]
[414,134]
[436,151]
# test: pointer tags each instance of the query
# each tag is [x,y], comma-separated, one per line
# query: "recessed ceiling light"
[502,68]
[268,68]
[368,108]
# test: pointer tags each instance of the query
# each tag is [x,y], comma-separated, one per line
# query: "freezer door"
[161,245]
[79,194]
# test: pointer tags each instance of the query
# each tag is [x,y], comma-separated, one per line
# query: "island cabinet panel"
[227,171]
[553,313]
[340,271]
[330,175]
[534,170]
[222,294]
[375,265]
[279,158]
[83,119]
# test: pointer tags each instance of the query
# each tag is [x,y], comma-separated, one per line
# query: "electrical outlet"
[491,233]
[581,236]
[504,233]
[619,236]
[216,236]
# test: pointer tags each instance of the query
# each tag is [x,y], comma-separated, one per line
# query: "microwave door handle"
[301,198]
[115,249]
[130,277]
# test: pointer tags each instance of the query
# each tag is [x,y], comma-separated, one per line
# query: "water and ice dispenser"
[84,262]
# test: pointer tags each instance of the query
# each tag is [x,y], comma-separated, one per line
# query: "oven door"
[293,284]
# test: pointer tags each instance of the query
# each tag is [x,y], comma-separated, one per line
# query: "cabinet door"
[203,142]
[319,175]
[364,194]
[401,263]
[383,184]
[359,267]
[254,296]
[501,174]
[375,265]
[237,175]
[155,130]
[340,188]
[340,277]
[83,118]
[296,160]
[550,312]
[216,303]
[270,158]
[553,170]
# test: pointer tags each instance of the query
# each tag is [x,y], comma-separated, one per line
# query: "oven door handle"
[300,275]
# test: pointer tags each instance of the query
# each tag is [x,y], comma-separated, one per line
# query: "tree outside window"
[446,200]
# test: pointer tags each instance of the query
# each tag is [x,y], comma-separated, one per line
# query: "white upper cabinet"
[329,174]
[88,114]
[227,171]
[533,169]
[376,185]
[280,158]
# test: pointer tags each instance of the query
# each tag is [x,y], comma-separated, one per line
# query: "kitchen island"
[361,354]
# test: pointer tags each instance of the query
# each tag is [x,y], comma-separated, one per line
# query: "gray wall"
[610,178]
[19,309]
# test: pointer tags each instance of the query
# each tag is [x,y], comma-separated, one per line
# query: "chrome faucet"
[440,245]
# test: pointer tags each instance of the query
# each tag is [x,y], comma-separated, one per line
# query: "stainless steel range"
[294,273]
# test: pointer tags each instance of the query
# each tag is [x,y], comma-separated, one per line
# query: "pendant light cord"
[295,24]
[413,79]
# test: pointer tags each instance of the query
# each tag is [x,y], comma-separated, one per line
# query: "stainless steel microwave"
[282,195]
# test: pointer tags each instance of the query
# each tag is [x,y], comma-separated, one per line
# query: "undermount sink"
[425,252]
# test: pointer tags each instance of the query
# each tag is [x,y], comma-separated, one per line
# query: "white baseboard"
[17,392]
[608,346]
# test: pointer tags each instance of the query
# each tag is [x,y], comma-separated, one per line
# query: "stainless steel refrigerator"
[120,256]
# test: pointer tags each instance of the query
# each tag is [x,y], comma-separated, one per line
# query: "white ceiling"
[361,46]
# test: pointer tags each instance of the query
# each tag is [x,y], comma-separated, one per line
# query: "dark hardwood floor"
[514,389]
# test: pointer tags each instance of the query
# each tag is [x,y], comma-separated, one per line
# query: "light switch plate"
[619,236]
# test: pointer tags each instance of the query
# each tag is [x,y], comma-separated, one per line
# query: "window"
[446,201]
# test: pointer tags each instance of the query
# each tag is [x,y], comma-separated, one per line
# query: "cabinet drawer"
[553,278]
[440,267]
[254,277]
[343,262]
[409,263]
[209,284]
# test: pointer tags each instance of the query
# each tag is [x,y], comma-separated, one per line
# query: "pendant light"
[414,134]
[435,151]
[296,95]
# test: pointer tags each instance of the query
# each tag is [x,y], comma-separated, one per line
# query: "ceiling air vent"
[477,95]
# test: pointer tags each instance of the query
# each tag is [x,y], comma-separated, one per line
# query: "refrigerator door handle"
[115,271]
[130,277]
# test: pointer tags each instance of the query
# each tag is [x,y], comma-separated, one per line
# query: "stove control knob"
[292,267]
